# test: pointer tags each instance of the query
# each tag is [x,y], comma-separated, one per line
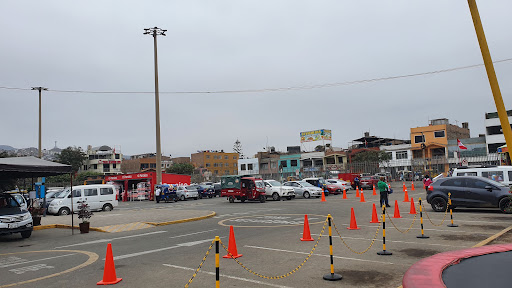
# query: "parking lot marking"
[125,227]
[187,244]
[228,276]
[267,219]
[110,239]
[322,255]
[23,261]
[192,233]
[405,242]
[30,268]
[92,258]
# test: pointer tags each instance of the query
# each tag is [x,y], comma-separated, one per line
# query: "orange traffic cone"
[353,223]
[357,192]
[233,253]
[397,210]
[344,194]
[109,272]
[403,189]
[375,218]
[406,196]
[413,207]
[412,186]
[323,197]
[362,196]
[374,192]
[306,235]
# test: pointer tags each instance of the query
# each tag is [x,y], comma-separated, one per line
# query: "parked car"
[20,199]
[186,192]
[14,218]
[97,196]
[217,188]
[367,182]
[304,189]
[205,190]
[341,184]
[276,190]
[320,182]
[469,191]
[502,174]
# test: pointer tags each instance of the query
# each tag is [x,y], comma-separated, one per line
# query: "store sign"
[129,176]
[315,135]
[109,162]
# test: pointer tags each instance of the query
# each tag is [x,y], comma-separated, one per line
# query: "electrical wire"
[305,87]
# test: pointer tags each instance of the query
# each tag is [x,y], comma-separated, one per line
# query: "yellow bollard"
[422,236]
[217,268]
[384,252]
[451,214]
[332,276]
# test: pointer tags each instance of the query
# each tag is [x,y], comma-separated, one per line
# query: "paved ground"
[267,234]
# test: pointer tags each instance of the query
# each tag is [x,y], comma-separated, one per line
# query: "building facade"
[217,162]
[248,166]
[144,162]
[493,133]
[289,165]
[104,160]
[400,163]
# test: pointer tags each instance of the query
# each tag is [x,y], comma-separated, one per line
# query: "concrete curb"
[182,220]
[51,226]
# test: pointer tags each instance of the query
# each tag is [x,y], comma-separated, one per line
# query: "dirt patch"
[418,253]
[485,226]
[366,278]
[471,237]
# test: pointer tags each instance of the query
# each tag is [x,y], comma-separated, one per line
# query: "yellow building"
[217,162]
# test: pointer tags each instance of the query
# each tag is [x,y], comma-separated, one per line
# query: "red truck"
[349,177]
[242,188]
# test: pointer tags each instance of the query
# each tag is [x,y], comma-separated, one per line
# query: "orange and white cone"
[375,218]
[109,271]
[413,207]
[406,196]
[412,186]
[233,253]
[397,210]
[357,192]
[374,192]
[353,222]
[362,197]
[344,193]
[323,197]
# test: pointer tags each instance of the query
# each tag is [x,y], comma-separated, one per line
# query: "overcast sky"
[225,45]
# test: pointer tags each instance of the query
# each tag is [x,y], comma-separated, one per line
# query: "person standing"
[157,194]
[384,189]
[427,181]
[356,182]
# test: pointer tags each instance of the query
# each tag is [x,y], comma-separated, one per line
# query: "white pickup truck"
[276,190]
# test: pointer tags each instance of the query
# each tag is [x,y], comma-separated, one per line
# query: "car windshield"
[8,202]
[306,184]
[274,183]
[62,194]
[259,184]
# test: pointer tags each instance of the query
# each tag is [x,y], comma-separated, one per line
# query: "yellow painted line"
[271,226]
[493,237]
[182,220]
[92,258]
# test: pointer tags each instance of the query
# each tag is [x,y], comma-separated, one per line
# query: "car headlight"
[27,216]
[60,202]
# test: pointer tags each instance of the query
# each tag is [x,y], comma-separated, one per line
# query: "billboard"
[315,135]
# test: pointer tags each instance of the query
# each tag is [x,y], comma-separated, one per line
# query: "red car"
[368,181]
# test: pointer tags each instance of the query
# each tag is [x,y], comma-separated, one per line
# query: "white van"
[98,196]
[502,174]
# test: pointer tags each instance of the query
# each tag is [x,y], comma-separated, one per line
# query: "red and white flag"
[461,146]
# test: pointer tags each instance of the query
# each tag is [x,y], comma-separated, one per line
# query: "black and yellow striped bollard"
[451,214]
[384,252]
[422,236]
[332,276]
[217,268]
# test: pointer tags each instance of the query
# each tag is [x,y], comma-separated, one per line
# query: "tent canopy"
[28,167]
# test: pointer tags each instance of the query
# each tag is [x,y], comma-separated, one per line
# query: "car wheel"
[275,196]
[64,211]
[242,199]
[262,198]
[306,195]
[289,197]
[438,204]
[200,196]
[182,198]
[505,205]
[210,196]
[231,199]
[195,198]
[26,234]
[107,207]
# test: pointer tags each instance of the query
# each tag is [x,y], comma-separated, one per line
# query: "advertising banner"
[315,135]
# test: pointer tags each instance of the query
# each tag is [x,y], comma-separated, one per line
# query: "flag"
[461,146]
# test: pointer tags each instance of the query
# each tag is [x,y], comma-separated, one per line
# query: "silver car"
[304,189]
[186,192]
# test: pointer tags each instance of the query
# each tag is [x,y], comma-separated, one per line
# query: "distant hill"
[7,148]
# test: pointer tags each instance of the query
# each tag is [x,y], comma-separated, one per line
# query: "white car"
[13,218]
[98,196]
[304,189]
[185,192]
[276,190]
[342,184]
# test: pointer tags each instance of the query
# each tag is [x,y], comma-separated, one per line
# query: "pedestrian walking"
[384,191]
[157,194]
[427,181]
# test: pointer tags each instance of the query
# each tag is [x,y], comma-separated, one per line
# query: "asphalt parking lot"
[267,235]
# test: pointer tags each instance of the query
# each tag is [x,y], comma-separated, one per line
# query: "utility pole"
[155,31]
[40,89]
[491,74]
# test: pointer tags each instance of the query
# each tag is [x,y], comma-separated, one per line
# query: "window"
[94,166]
[439,134]
[221,164]
[466,173]
[234,164]
[249,166]
[114,166]
[293,163]
[234,172]
[479,184]
[319,162]
[215,164]
[264,166]
[207,156]
[330,160]
[106,191]
[273,164]
[234,157]
[216,172]
[118,156]
[284,163]
[77,193]
[456,182]
[90,192]
[85,167]
[340,160]
[152,165]
[207,165]
[242,167]
[509,175]
[226,172]
[226,157]
[493,175]
[307,163]
[419,138]
[401,155]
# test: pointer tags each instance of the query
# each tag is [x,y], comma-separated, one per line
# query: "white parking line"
[322,255]
[192,233]
[25,262]
[186,244]
[394,241]
[111,239]
[228,276]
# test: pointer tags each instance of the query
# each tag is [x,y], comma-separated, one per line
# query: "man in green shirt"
[383,188]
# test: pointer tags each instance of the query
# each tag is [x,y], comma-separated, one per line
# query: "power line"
[304,87]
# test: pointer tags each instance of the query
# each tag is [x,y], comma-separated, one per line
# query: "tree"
[73,156]
[181,168]
[371,156]
[237,148]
